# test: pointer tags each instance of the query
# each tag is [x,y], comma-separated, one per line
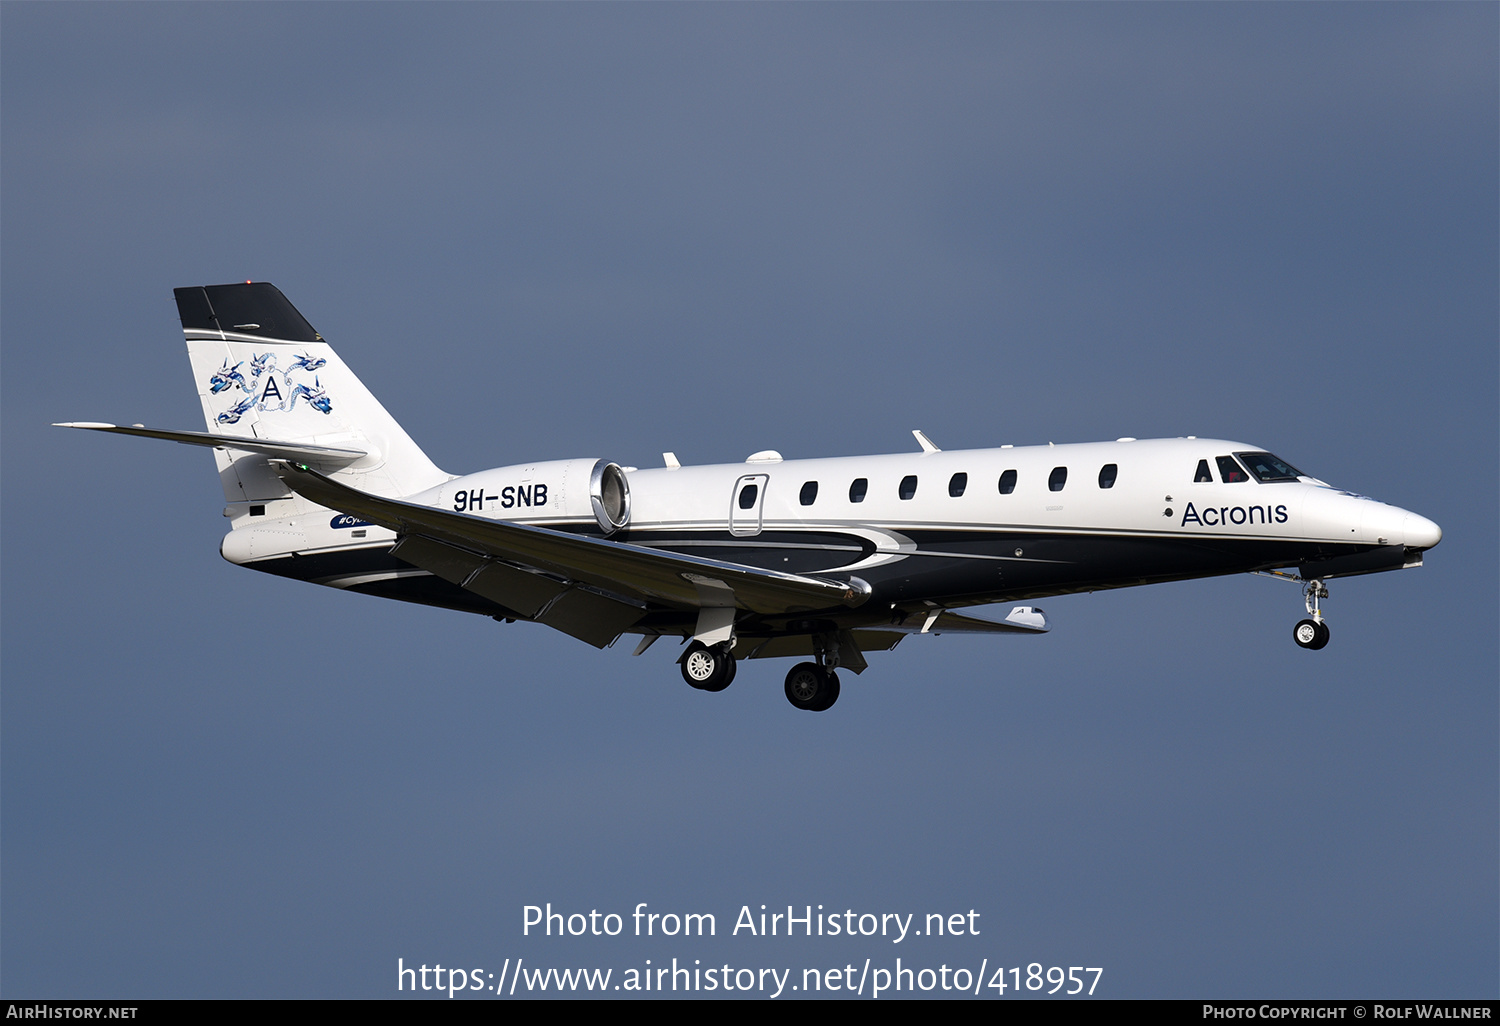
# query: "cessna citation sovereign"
[825,559]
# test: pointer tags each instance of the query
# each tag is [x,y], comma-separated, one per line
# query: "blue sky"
[554,231]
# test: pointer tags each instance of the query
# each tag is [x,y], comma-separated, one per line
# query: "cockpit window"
[1268,468]
[1230,471]
[1203,474]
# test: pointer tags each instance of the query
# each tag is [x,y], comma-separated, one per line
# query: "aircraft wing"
[588,587]
[854,643]
[1020,620]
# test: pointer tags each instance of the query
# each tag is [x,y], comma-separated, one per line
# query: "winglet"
[671,461]
[925,442]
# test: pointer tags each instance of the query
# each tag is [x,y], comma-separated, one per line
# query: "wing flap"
[632,573]
[589,616]
[523,593]
[579,611]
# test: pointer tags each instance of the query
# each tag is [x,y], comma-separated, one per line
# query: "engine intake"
[610,494]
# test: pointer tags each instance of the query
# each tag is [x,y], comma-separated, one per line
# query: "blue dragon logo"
[317,397]
[238,410]
[277,396]
[227,377]
[259,365]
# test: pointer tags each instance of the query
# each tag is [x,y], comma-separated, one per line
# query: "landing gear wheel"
[810,687]
[1311,634]
[804,684]
[830,692]
[707,669]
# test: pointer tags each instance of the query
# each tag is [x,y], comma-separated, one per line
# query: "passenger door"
[745,505]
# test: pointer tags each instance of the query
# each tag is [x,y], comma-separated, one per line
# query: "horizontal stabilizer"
[320,454]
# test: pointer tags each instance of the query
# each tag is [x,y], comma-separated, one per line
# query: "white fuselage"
[907,509]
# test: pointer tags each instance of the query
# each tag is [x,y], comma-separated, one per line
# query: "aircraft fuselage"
[920,528]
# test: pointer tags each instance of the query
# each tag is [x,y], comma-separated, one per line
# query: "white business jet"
[827,558]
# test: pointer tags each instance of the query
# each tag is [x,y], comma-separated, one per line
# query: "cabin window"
[908,486]
[1057,478]
[747,496]
[858,488]
[809,493]
[1007,482]
[1231,471]
[1268,468]
[1107,475]
[1203,474]
[957,483]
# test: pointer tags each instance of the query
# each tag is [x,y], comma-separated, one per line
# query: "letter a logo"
[271,390]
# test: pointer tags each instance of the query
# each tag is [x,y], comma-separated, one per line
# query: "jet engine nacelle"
[558,490]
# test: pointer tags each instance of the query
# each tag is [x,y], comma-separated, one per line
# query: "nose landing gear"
[1312,633]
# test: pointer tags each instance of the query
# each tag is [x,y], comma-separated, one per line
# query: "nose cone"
[1420,532]
[1385,524]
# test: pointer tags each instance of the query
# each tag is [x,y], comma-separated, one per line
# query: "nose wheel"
[1313,632]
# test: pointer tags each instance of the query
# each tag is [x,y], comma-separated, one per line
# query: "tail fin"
[262,371]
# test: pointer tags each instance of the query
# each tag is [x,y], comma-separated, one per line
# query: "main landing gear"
[811,687]
[1312,633]
[708,667]
[815,686]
